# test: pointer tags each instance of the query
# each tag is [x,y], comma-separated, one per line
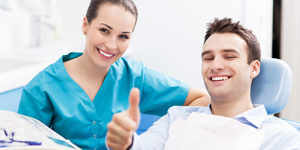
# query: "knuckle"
[124,147]
[110,125]
[109,144]
[116,117]
[128,135]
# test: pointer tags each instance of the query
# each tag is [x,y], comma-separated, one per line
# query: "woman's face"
[108,35]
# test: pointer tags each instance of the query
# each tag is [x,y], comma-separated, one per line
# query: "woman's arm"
[197,97]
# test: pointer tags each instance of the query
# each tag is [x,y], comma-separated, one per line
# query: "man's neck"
[231,108]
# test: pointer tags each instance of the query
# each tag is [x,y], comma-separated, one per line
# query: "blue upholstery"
[146,122]
[273,86]
[10,100]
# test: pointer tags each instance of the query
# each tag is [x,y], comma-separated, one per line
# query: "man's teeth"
[107,55]
[219,78]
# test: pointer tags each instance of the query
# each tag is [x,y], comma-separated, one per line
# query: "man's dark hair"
[227,26]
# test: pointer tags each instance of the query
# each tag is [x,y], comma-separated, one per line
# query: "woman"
[77,95]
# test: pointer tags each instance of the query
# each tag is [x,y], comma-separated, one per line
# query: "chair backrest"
[273,86]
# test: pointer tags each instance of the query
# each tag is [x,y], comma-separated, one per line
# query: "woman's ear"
[255,68]
[85,24]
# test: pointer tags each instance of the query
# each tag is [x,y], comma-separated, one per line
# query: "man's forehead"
[224,43]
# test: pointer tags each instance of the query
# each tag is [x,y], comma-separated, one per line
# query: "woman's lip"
[104,55]
[105,51]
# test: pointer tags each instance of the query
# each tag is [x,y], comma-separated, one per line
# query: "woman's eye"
[104,31]
[123,36]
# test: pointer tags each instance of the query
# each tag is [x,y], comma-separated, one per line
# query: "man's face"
[225,70]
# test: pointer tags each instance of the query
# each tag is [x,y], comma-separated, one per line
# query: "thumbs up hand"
[124,124]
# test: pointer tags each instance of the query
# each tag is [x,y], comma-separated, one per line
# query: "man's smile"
[219,78]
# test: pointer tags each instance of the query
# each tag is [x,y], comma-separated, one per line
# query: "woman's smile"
[105,54]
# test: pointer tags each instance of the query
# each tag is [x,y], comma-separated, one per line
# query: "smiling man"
[230,61]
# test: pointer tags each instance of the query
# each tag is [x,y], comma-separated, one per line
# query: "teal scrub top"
[55,99]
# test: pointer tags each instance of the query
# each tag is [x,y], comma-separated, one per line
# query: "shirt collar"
[255,116]
[207,110]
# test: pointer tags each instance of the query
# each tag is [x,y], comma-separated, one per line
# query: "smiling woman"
[78,94]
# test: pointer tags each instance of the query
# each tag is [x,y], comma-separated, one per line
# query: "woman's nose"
[111,43]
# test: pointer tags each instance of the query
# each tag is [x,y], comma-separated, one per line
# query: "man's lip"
[214,76]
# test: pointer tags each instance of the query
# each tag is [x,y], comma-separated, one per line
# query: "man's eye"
[230,57]
[209,58]
[104,30]
[123,36]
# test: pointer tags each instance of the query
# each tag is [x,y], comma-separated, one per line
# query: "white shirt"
[279,135]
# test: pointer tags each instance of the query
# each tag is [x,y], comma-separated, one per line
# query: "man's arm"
[197,97]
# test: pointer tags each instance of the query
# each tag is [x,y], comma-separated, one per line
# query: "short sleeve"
[160,92]
[32,106]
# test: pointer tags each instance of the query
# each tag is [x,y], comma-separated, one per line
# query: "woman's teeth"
[219,78]
[107,55]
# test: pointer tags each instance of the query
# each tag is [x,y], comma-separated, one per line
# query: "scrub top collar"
[75,87]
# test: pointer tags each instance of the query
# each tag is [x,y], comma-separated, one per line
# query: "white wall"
[169,34]
[72,13]
[67,17]
[290,53]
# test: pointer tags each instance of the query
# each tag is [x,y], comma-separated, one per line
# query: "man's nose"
[217,64]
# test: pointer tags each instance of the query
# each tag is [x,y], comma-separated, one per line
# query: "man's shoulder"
[279,134]
[275,122]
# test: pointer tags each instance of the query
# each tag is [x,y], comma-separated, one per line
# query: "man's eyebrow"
[112,28]
[230,51]
[206,52]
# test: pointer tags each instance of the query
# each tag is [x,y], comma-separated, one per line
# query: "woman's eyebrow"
[107,26]
[112,28]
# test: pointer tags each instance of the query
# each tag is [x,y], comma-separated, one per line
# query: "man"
[230,61]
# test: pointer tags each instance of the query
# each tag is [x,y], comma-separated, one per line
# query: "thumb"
[134,100]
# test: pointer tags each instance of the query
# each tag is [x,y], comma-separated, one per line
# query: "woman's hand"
[124,124]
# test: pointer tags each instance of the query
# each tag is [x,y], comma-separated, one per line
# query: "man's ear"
[85,24]
[255,68]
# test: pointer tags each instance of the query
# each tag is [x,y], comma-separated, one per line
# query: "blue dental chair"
[274,94]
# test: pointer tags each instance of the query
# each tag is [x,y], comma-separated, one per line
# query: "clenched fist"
[124,124]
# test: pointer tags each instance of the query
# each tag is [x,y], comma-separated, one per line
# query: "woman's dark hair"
[227,26]
[95,5]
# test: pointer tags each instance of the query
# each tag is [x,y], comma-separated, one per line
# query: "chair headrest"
[273,86]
